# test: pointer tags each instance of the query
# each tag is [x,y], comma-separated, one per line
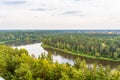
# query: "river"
[1,78]
[61,57]
[37,50]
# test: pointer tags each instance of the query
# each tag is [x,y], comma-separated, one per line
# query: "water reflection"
[37,50]
[62,60]
[1,78]
[89,61]
[62,57]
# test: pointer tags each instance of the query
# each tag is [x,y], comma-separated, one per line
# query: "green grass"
[80,54]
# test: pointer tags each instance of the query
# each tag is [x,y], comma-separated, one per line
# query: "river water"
[37,50]
[61,57]
[1,78]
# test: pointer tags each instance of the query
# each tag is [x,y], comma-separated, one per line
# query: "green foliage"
[97,55]
[23,72]
[77,63]
[98,45]
[18,65]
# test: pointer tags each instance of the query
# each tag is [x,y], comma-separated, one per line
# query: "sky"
[60,14]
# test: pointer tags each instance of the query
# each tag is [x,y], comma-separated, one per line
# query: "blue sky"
[59,14]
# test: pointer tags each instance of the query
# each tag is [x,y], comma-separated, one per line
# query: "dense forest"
[90,44]
[6,37]
[100,45]
[18,65]
[9,36]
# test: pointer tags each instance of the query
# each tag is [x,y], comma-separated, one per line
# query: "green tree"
[23,72]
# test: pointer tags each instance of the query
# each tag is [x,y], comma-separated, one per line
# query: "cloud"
[73,13]
[76,0]
[41,9]
[1,17]
[13,2]
[83,0]
[59,14]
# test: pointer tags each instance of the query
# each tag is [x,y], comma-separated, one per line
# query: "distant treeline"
[25,35]
[91,44]
[104,45]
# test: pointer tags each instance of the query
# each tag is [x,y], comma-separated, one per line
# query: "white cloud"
[48,14]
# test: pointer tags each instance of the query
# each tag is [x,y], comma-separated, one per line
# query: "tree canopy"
[18,65]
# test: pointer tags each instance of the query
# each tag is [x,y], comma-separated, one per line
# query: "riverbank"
[4,42]
[19,42]
[76,54]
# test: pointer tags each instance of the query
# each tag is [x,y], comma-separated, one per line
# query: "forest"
[17,64]
[9,36]
[99,45]
[92,44]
